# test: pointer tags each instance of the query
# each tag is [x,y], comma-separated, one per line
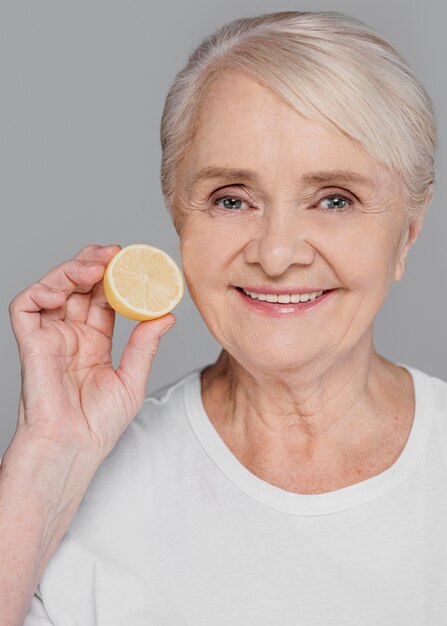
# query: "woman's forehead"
[244,125]
[331,176]
[318,166]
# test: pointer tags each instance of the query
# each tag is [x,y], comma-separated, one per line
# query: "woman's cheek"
[362,258]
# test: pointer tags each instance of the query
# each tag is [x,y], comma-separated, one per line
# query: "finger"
[65,279]
[52,291]
[78,304]
[60,277]
[26,307]
[136,360]
[97,253]
[100,315]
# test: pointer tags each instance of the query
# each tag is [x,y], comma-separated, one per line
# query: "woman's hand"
[70,394]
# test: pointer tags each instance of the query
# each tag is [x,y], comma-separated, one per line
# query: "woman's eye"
[336,202]
[229,202]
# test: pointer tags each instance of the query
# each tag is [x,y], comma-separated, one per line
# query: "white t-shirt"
[175,531]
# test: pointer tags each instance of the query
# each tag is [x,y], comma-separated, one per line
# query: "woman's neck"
[350,420]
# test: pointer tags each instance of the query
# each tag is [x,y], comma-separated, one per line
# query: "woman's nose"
[280,242]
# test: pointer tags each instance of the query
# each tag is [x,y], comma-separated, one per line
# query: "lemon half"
[142,282]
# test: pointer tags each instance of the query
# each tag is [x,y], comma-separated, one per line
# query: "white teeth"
[284,298]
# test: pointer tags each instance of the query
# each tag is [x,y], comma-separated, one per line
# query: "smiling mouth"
[292,298]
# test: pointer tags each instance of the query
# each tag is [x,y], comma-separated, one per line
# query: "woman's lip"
[279,309]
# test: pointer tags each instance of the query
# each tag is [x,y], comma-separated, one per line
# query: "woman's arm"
[41,488]
[74,406]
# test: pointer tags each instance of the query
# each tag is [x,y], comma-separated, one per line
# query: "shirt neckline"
[312,504]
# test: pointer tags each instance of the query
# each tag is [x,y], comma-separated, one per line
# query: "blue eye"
[335,201]
[231,201]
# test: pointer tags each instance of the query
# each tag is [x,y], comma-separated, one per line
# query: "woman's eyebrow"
[330,176]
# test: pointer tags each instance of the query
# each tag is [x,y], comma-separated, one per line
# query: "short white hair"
[328,66]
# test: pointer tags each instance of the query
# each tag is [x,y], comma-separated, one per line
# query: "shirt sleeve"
[37,614]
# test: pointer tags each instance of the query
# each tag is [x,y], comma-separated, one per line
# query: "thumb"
[136,360]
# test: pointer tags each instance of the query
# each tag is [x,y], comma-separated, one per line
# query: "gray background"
[82,91]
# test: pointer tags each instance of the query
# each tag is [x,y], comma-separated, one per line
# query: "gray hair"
[303,57]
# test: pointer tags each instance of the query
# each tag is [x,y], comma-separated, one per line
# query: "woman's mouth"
[277,305]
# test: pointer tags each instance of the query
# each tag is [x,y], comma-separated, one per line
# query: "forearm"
[40,492]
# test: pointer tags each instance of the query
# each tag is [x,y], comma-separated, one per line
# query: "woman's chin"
[275,359]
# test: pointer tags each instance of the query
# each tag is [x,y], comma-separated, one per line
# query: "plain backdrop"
[82,91]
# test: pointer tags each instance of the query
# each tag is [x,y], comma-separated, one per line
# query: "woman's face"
[298,219]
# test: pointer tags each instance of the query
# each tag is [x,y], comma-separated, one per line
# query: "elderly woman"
[300,479]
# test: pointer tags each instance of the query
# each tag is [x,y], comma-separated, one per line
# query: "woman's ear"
[411,233]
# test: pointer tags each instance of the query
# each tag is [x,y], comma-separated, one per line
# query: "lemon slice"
[142,282]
